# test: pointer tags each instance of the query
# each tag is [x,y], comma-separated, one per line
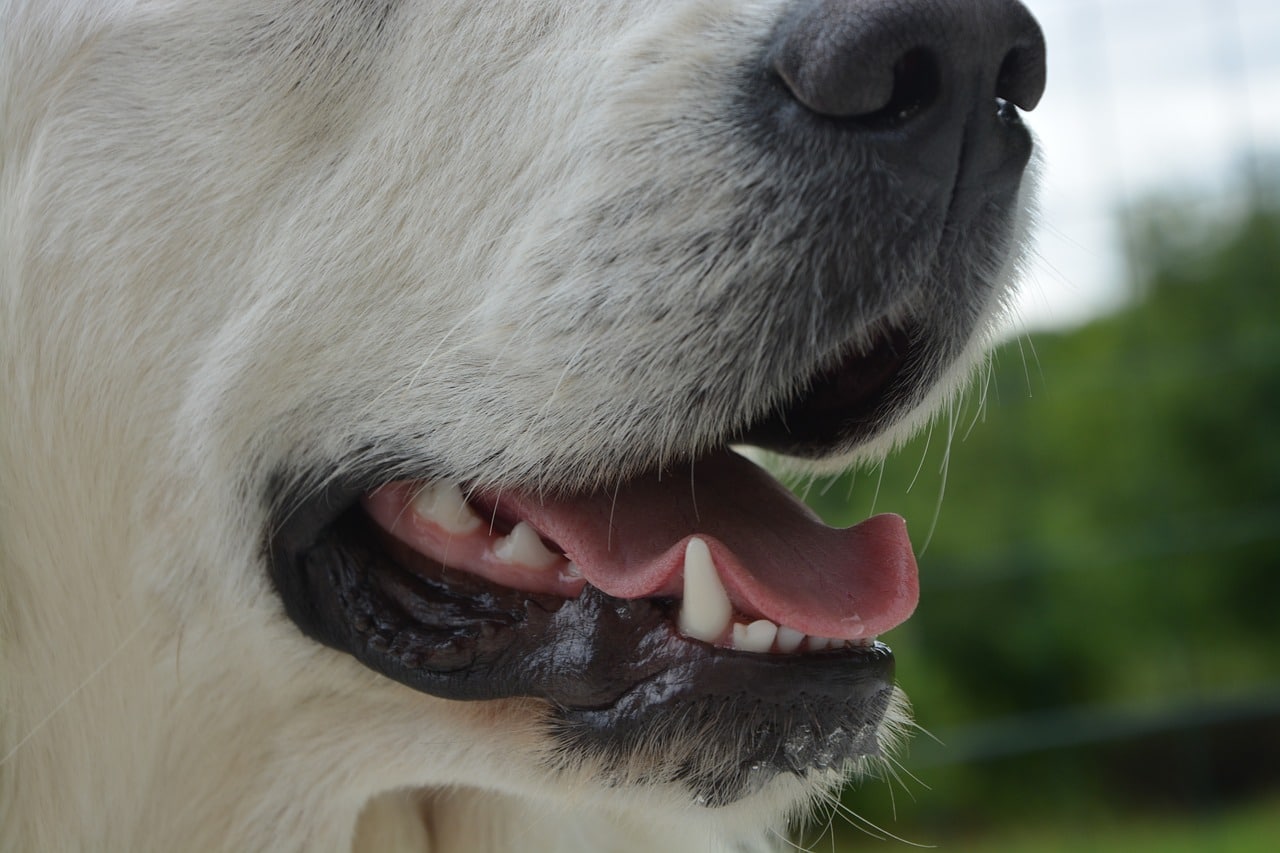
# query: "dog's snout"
[896,59]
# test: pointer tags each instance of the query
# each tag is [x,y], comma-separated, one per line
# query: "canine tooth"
[442,503]
[756,637]
[524,547]
[789,639]
[706,609]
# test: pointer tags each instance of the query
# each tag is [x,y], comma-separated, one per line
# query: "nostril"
[1020,80]
[917,84]
[868,96]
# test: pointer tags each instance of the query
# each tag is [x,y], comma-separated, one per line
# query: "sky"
[1144,97]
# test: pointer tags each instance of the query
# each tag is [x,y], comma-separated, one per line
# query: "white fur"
[236,235]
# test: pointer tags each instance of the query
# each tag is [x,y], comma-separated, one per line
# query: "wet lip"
[621,681]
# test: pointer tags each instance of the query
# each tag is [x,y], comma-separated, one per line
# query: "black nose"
[923,68]
[865,58]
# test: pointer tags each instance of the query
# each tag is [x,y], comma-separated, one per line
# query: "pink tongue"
[775,558]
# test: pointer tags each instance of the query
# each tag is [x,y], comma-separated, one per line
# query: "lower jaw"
[619,679]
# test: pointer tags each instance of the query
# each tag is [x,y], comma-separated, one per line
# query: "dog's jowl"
[370,373]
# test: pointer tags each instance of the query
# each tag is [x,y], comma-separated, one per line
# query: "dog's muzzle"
[697,613]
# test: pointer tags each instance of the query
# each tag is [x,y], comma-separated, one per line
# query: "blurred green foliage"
[1251,828]
[1099,625]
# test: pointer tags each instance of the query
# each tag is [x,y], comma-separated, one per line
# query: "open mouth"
[700,612]
[747,567]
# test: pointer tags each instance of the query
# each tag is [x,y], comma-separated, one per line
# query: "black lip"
[616,675]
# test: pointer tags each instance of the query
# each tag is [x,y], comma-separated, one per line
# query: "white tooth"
[706,609]
[442,504]
[789,639]
[756,637]
[571,571]
[817,644]
[524,547]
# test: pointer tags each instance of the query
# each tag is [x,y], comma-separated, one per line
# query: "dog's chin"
[694,625]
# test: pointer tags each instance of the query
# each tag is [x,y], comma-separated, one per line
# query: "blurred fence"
[1144,96]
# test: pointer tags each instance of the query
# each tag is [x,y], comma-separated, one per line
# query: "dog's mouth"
[699,612]
[745,565]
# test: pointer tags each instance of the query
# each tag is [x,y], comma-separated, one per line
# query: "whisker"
[871,828]
[98,670]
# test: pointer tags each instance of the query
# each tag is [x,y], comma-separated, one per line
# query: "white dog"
[368,374]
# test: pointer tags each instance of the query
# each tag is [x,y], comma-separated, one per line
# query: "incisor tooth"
[442,504]
[523,546]
[756,637]
[789,639]
[706,610]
